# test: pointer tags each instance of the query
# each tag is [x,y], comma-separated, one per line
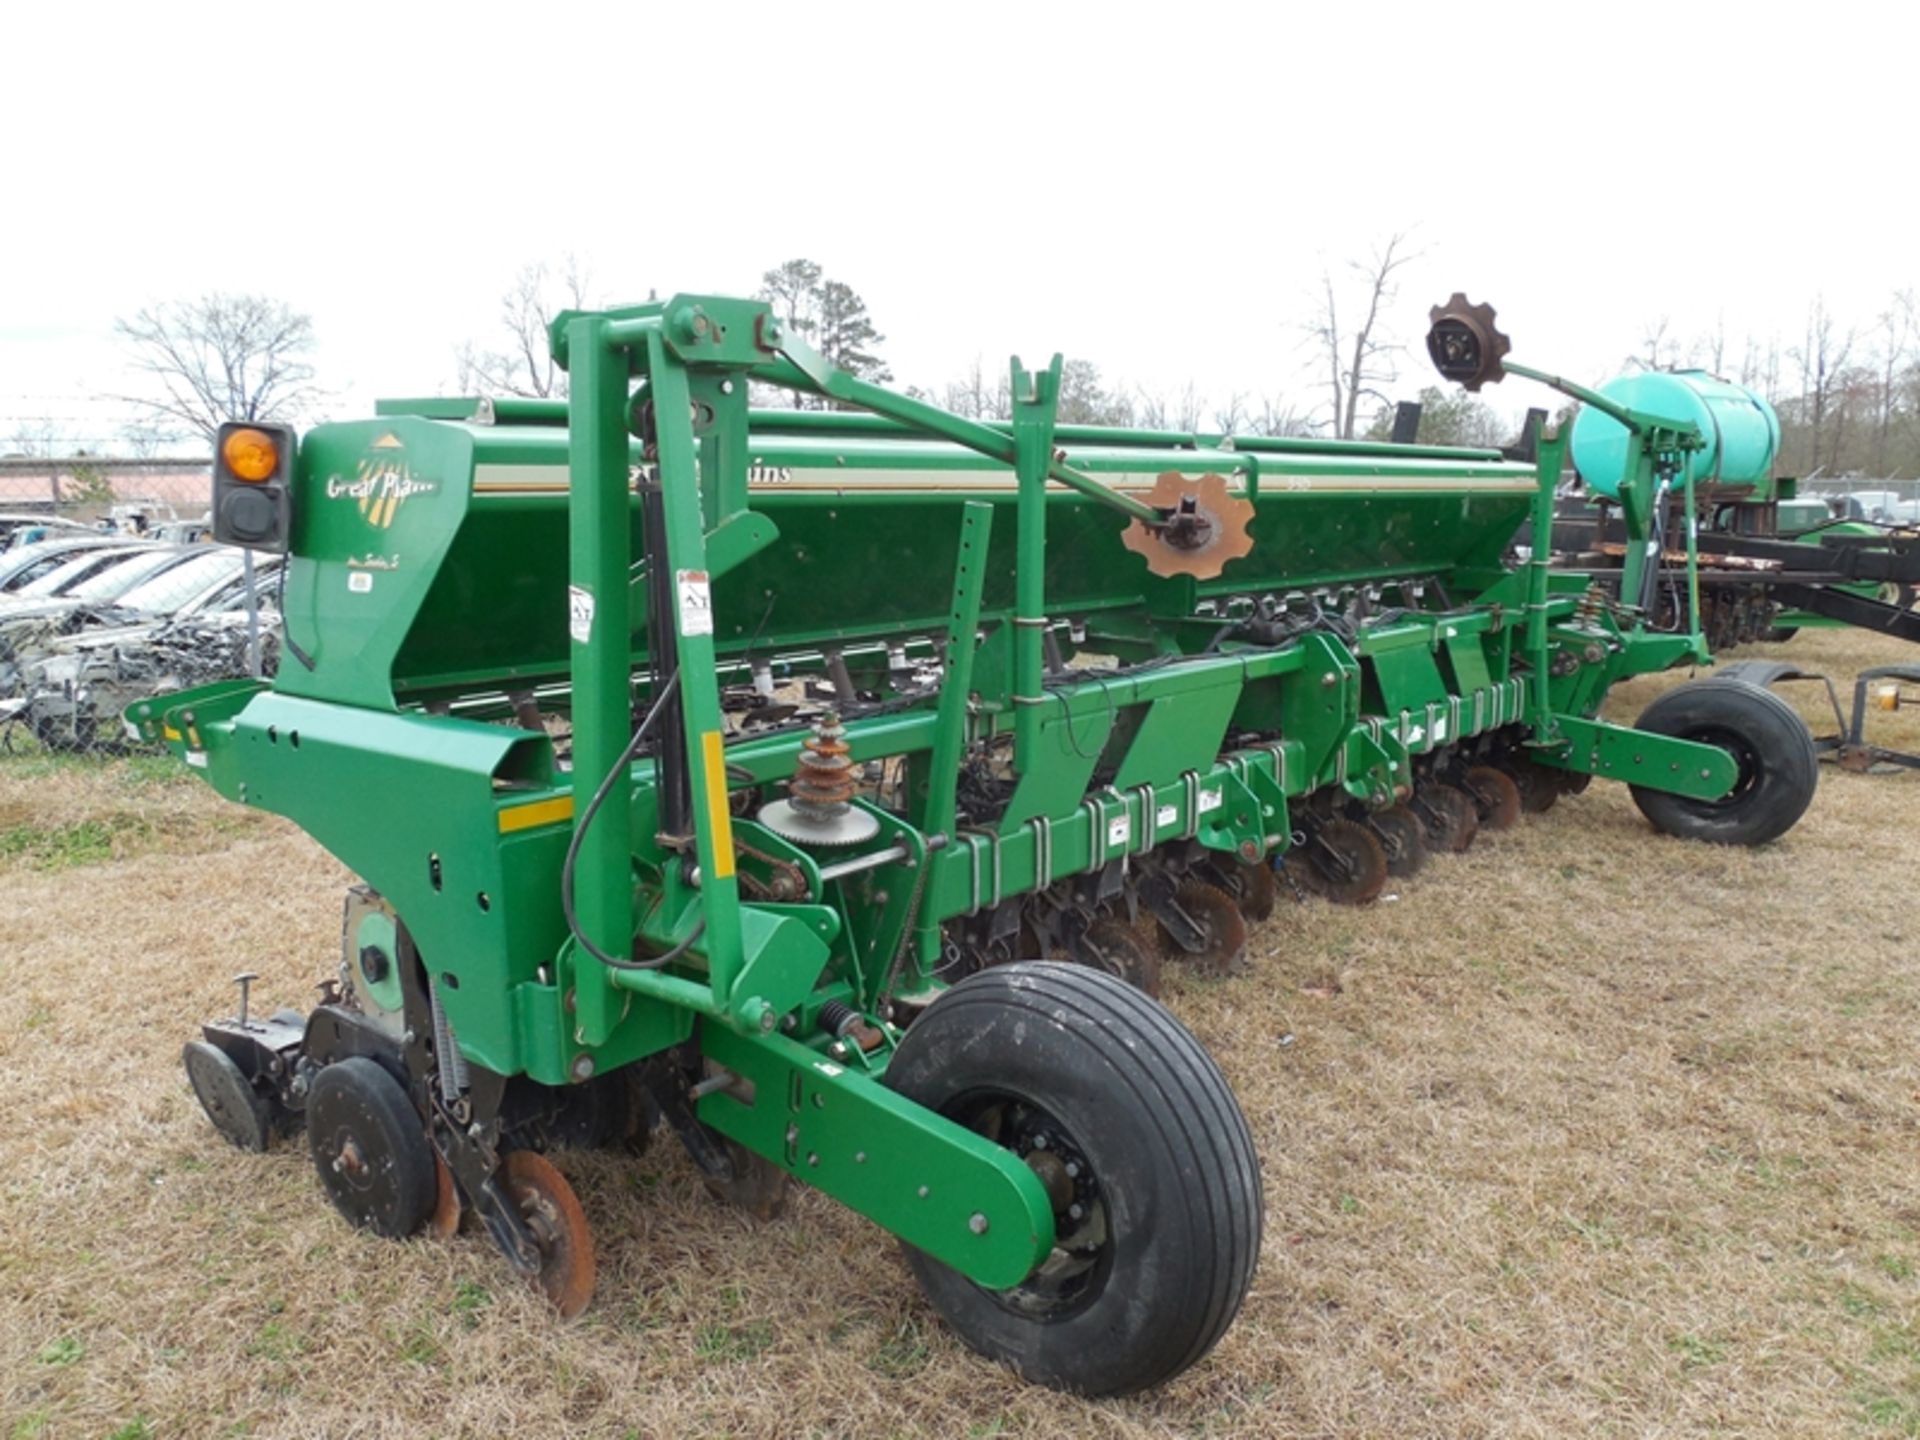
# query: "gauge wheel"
[1143,1152]
[1778,768]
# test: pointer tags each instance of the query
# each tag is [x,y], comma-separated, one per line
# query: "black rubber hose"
[654,962]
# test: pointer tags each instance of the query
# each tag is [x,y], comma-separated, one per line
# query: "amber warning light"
[250,454]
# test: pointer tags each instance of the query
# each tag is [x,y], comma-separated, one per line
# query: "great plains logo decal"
[380,484]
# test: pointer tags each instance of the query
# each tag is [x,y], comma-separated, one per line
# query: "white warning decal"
[1211,800]
[696,602]
[1119,830]
[579,613]
[1165,816]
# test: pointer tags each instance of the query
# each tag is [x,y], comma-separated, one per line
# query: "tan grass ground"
[1587,1132]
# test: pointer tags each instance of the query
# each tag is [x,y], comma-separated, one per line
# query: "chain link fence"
[110,592]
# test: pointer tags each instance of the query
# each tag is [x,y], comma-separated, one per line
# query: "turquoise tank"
[1743,433]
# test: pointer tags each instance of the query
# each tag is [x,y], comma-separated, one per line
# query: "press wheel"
[1403,838]
[1496,798]
[1117,950]
[1345,862]
[1449,816]
[237,1110]
[1218,919]
[370,1149]
[552,1212]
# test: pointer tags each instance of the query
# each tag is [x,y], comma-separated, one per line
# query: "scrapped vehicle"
[30,622]
[72,571]
[24,564]
[14,529]
[71,694]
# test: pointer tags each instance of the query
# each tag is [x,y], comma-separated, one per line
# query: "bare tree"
[1280,416]
[1823,362]
[1233,417]
[1358,356]
[1657,352]
[220,358]
[523,363]
[1896,349]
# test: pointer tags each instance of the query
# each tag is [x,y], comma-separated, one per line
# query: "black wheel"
[1143,1149]
[370,1149]
[1778,767]
[237,1110]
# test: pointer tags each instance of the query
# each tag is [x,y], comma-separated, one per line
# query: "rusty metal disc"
[552,1212]
[1495,797]
[1539,786]
[1345,862]
[757,1186]
[1404,839]
[445,1220]
[1450,816]
[1206,529]
[1117,949]
[1255,889]
[1216,914]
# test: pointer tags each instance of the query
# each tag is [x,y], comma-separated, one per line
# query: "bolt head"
[582,1068]
[978,1224]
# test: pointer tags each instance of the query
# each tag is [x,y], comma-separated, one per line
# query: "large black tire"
[1066,1065]
[370,1148]
[1779,768]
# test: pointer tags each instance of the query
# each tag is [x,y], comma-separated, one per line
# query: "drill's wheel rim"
[239,1112]
[1117,950]
[1082,1253]
[370,1149]
[1347,862]
[1228,515]
[1496,797]
[1403,838]
[1450,817]
[1212,910]
[552,1212]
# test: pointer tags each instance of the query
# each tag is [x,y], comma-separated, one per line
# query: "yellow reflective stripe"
[169,732]
[540,812]
[713,757]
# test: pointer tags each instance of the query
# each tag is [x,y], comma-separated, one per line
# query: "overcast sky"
[1153,187]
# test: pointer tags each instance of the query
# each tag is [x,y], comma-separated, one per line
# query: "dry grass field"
[1586,1132]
